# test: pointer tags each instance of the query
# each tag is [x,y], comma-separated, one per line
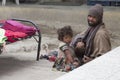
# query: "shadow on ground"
[8,65]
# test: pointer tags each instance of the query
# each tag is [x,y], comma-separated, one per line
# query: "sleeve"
[102,44]
[64,47]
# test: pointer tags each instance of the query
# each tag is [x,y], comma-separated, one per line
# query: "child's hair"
[66,30]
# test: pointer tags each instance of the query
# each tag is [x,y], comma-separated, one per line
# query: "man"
[96,40]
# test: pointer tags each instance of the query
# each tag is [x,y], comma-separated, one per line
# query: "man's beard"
[94,24]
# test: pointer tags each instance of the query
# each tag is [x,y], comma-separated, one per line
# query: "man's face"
[92,21]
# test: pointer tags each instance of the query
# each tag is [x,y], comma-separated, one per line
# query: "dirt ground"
[77,20]
[51,17]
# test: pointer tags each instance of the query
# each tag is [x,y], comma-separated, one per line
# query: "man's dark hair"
[66,30]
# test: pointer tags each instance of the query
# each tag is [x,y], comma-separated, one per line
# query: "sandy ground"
[19,60]
[22,66]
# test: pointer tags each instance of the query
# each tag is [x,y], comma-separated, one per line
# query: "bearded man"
[95,40]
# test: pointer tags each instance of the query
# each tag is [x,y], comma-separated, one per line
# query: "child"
[67,59]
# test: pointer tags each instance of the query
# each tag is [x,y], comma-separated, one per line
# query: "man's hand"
[80,44]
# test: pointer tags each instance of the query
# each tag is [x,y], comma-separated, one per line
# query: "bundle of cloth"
[14,30]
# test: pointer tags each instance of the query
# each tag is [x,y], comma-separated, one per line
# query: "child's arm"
[69,58]
[67,53]
[60,54]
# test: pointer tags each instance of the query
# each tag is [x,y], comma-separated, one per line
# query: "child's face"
[67,39]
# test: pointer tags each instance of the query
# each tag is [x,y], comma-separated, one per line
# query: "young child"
[67,59]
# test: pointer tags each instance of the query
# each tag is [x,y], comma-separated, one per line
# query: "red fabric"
[13,36]
[19,27]
[16,30]
[2,21]
[52,58]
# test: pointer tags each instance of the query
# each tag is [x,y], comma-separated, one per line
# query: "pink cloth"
[14,36]
[19,27]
